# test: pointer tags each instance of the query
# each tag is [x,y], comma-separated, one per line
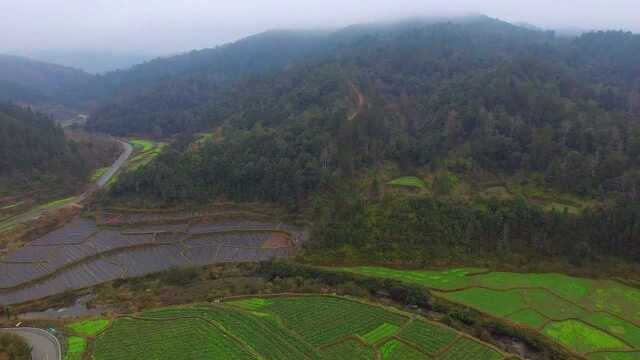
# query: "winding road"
[44,345]
[360,100]
[128,149]
[38,211]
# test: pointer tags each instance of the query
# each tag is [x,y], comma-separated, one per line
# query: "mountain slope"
[35,153]
[33,81]
[474,96]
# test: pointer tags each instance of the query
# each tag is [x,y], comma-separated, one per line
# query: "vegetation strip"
[259,321]
[537,306]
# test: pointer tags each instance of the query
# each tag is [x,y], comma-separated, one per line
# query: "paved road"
[128,149]
[37,212]
[45,346]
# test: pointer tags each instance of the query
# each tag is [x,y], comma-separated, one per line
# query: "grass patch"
[492,302]
[89,327]
[581,337]
[528,317]
[146,151]
[349,349]
[8,207]
[620,328]
[57,203]
[440,280]
[408,181]
[142,145]
[76,346]
[99,173]
[251,304]
[383,331]
[635,355]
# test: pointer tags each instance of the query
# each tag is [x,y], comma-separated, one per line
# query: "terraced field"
[301,327]
[598,319]
[408,181]
[82,254]
[146,151]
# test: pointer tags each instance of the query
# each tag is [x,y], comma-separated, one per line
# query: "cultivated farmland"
[82,254]
[599,319]
[145,152]
[282,328]
[408,181]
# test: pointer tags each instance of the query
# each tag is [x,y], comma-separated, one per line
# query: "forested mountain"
[471,98]
[93,62]
[33,150]
[475,95]
[311,119]
[26,80]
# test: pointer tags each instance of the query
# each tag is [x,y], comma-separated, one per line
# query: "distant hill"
[31,144]
[28,80]
[93,62]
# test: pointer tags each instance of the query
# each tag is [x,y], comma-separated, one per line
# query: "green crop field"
[89,327]
[408,181]
[145,152]
[11,206]
[627,355]
[98,173]
[142,145]
[430,338]
[397,350]
[75,348]
[304,327]
[587,316]
[57,203]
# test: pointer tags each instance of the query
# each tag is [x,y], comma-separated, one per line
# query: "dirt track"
[360,100]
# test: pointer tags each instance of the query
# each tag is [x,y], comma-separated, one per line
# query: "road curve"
[44,345]
[115,167]
[128,149]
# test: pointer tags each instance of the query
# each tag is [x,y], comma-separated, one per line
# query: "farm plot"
[588,317]
[146,151]
[408,181]
[174,339]
[81,254]
[274,328]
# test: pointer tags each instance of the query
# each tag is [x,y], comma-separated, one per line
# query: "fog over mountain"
[163,27]
[95,62]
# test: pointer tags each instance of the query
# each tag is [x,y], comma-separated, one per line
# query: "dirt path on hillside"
[360,100]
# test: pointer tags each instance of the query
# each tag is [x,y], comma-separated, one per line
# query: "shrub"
[13,347]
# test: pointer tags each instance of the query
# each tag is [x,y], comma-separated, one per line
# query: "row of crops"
[599,319]
[305,327]
[81,254]
[146,151]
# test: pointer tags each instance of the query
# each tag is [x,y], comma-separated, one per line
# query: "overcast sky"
[167,26]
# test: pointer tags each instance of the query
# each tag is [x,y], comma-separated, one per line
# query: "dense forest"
[33,82]
[34,151]
[474,97]
[304,119]
[352,228]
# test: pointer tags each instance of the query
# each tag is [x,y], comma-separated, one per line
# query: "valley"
[457,188]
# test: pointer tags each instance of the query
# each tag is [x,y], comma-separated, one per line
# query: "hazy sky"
[165,26]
